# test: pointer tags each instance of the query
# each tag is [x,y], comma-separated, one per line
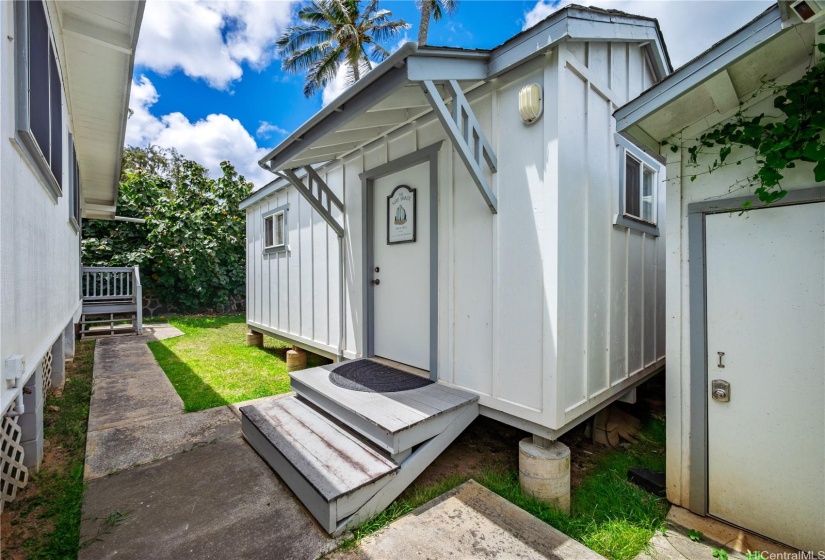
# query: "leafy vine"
[778,142]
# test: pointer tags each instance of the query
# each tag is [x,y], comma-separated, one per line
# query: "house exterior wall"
[681,192]
[39,247]
[611,278]
[510,285]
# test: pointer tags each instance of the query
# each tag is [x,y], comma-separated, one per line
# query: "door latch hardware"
[377,269]
[721,356]
[375,282]
[720,390]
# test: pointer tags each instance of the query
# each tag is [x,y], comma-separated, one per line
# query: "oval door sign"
[401,215]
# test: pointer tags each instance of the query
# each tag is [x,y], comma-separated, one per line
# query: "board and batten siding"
[39,248]
[611,290]
[295,292]
[520,292]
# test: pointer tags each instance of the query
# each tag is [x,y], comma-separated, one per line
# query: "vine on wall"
[778,142]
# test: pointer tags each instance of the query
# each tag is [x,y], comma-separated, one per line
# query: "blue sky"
[208,83]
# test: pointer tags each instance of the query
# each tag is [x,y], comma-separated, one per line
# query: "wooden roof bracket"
[321,197]
[466,135]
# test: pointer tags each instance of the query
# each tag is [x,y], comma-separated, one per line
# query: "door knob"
[720,390]
[375,282]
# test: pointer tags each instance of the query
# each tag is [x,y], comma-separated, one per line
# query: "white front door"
[401,268]
[766,314]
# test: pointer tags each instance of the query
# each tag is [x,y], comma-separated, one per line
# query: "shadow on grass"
[221,370]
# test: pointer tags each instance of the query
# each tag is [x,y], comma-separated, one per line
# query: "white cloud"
[336,87]
[209,141]
[267,129]
[210,40]
[689,26]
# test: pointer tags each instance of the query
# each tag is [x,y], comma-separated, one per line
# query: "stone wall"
[154,307]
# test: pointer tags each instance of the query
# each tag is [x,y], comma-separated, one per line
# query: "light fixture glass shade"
[530,103]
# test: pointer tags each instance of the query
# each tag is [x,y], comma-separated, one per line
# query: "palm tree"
[436,9]
[336,32]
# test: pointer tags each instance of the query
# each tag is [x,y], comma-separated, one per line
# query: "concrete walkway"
[470,521]
[162,483]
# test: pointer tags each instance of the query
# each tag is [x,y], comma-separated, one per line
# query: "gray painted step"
[104,308]
[332,472]
[393,421]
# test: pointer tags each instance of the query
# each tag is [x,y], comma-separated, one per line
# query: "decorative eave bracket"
[466,135]
[321,197]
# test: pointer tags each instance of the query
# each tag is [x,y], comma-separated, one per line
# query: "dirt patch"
[43,520]
[19,524]
[489,444]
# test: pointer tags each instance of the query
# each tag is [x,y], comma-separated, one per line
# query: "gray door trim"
[427,154]
[698,381]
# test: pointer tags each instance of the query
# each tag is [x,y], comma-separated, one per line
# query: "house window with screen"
[74,185]
[275,230]
[39,94]
[639,190]
[639,177]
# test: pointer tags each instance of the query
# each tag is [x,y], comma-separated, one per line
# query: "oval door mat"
[371,377]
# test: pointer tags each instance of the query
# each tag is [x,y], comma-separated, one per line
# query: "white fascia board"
[700,69]
[470,66]
[581,25]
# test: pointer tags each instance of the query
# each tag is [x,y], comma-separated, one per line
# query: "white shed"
[527,266]
[745,295]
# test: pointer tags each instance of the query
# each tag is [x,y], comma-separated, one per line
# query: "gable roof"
[712,84]
[390,96]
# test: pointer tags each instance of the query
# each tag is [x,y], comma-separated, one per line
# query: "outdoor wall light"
[530,103]
[809,10]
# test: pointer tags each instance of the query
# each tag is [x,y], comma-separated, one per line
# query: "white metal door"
[401,324]
[766,313]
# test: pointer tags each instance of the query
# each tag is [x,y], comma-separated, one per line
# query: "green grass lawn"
[608,514]
[212,366]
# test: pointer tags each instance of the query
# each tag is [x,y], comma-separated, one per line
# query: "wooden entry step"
[395,422]
[332,472]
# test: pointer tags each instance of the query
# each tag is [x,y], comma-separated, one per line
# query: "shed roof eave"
[396,58]
[83,134]
[737,45]
[468,65]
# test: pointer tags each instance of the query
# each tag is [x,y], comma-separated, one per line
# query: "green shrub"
[192,248]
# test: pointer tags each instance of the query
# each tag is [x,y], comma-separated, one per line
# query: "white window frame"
[24,136]
[74,186]
[646,163]
[271,217]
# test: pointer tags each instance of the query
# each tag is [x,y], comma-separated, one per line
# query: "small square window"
[639,186]
[275,235]
[639,190]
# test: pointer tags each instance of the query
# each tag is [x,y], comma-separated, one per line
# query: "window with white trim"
[39,93]
[275,233]
[639,176]
[639,189]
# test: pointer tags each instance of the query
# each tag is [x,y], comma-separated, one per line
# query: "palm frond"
[333,32]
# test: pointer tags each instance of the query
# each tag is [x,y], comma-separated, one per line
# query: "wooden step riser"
[323,511]
[380,437]
[411,468]
[397,444]
[333,472]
